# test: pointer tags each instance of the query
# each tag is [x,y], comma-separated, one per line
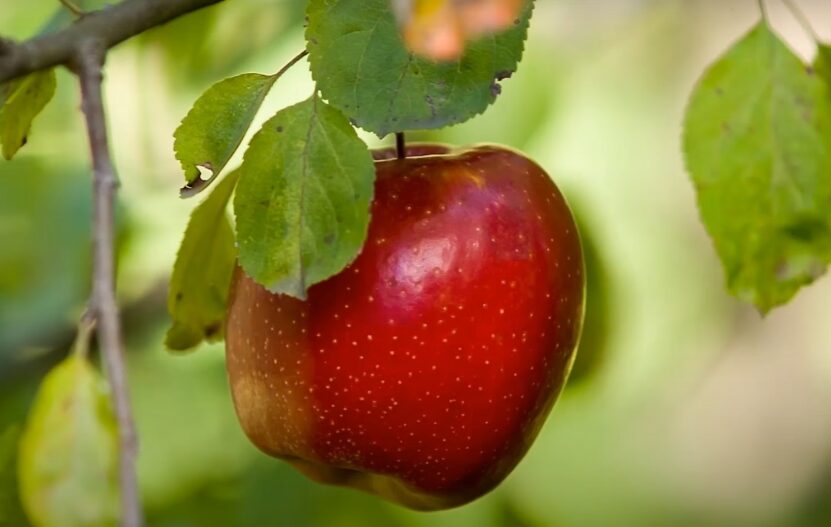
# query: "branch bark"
[83,48]
[103,306]
[109,27]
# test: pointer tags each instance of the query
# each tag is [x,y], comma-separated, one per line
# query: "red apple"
[423,371]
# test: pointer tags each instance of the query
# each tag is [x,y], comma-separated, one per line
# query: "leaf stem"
[297,58]
[88,63]
[764,11]
[85,330]
[199,184]
[803,20]
[73,8]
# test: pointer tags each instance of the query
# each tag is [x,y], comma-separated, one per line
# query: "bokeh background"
[686,407]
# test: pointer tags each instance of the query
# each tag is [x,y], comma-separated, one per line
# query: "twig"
[83,47]
[72,7]
[86,327]
[288,65]
[110,26]
[763,9]
[802,18]
[88,65]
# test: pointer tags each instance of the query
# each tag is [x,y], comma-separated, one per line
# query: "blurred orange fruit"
[440,29]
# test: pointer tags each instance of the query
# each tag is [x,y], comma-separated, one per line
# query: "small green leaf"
[21,100]
[201,276]
[823,63]
[362,67]
[302,205]
[214,128]
[68,458]
[757,141]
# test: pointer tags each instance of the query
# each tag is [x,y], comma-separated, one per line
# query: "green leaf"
[302,205]
[362,67]
[823,63]
[68,452]
[757,141]
[21,100]
[202,274]
[214,128]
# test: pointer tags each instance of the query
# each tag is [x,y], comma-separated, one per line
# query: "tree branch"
[83,48]
[110,26]
[103,307]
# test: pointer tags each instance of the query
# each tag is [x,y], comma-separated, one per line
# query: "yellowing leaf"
[202,274]
[21,101]
[67,463]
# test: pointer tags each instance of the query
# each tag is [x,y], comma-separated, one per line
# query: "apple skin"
[422,372]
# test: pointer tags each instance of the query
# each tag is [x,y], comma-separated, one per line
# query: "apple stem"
[400,145]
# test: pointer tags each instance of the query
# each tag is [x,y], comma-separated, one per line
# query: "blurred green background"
[686,407]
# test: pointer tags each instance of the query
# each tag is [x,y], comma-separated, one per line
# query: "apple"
[424,370]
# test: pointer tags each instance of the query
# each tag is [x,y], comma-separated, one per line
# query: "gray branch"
[103,306]
[109,27]
[83,48]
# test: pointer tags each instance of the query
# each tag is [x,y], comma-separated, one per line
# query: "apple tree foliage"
[68,454]
[306,181]
[756,141]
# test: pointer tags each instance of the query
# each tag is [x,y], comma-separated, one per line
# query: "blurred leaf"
[815,506]
[202,273]
[362,67]
[302,205]
[8,442]
[270,489]
[44,212]
[21,100]
[206,44]
[823,63]
[757,141]
[68,452]
[439,29]
[214,128]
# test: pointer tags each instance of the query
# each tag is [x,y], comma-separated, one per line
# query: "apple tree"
[756,140]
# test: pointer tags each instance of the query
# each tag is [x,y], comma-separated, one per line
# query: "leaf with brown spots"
[757,142]
[202,274]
